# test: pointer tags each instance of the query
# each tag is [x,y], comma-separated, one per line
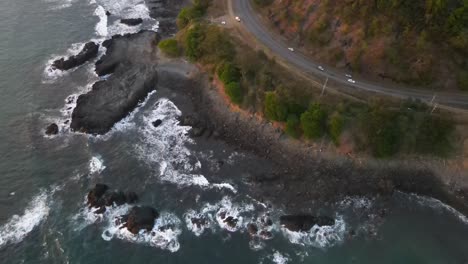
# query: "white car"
[320,68]
[351,80]
[349,76]
[291,49]
[238,19]
[223,22]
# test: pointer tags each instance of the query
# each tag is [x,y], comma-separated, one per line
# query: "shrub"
[274,108]
[193,41]
[229,73]
[313,121]
[292,126]
[170,47]
[336,127]
[462,80]
[234,91]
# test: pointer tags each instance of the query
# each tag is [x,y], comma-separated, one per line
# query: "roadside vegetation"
[418,42]
[257,83]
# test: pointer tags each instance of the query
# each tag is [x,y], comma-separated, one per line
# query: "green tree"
[274,108]
[336,127]
[313,121]
[193,42]
[234,91]
[292,126]
[228,73]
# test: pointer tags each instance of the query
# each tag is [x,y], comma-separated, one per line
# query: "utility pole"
[324,86]
[433,98]
[433,109]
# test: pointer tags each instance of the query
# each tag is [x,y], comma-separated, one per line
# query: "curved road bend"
[251,22]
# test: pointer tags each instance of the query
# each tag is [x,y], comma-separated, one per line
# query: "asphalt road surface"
[251,22]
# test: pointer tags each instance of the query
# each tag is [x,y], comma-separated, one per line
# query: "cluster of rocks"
[89,51]
[261,230]
[138,218]
[100,197]
[131,59]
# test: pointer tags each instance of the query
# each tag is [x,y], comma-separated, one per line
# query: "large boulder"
[131,21]
[303,223]
[140,218]
[89,51]
[132,58]
[52,129]
[100,197]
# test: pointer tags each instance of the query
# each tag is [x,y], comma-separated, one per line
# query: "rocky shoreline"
[304,177]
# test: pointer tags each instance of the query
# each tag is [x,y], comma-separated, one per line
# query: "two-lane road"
[251,22]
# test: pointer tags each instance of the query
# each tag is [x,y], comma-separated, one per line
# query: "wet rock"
[252,229]
[222,215]
[157,122]
[95,195]
[298,223]
[108,13]
[89,51]
[197,131]
[131,197]
[198,222]
[231,221]
[114,198]
[52,129]
[140,218]
[131,21]
[264,234]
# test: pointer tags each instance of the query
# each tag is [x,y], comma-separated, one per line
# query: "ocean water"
[44,180]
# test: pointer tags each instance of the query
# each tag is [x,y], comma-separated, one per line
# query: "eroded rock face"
[303,223]
[131,21]
[132,59]
[52,129]
[140,218]
[89,51]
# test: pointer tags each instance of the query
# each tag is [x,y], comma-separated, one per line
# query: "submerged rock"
[198,222]
[52,129]
[252,229]
[298,223]
[231,221]
[95,195]
[89,51]
[131,21]
[140,218]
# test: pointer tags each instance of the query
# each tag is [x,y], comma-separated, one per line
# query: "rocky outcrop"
[131,21]
[157,122]
[52,129]
[89,51]
[99,197]
[132,59]
[140,218]
[303,223]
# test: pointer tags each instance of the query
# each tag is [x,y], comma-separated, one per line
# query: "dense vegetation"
[421,42]
[256,83]
[170,47]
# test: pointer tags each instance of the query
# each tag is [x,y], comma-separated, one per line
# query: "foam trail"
[18,227]
[437,204]
[319,237]
[101,26]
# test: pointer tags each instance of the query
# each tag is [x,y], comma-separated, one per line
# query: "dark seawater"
[44,180]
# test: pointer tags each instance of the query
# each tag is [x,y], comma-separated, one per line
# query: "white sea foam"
[357,203]
[96,165]
[279,258]
[101,26]
[225,186]
[438,205]
[214,215]
[164,147]
[19,226]
[319,237]
[60,4]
